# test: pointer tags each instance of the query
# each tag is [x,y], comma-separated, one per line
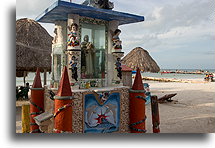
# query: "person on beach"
[22,92]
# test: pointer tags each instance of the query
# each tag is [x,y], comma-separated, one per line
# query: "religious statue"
[88,51]
[119,68]
[117,43]
[90,3]
[73,64]
[103,4]
[54,41]
[73,40]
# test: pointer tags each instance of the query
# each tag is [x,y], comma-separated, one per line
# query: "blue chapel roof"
[59,11]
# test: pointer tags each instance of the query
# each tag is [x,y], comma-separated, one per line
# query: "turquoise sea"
[179,76]
[30,77]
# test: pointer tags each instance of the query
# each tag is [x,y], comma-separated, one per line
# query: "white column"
[61,32]
[58,48]
[113,25]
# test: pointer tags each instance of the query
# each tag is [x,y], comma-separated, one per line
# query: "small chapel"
[87,41]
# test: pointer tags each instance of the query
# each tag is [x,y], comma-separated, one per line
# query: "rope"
[141,97]
[139,122]
[39,108]
[36,113]
[136,123]
[52,94]
[62,108]
[56,113]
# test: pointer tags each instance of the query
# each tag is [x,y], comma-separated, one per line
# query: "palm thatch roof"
[33,47]
[139,57]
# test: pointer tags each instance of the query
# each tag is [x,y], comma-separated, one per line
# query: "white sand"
[193,113]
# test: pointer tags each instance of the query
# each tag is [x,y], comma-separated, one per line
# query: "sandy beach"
[192,111]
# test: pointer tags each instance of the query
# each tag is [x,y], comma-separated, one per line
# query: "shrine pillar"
[137,105]
[63,106]
[36,102]
[58,51]
[73,49]
[113,25]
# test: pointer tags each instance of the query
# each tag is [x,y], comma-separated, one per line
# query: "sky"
[178,34]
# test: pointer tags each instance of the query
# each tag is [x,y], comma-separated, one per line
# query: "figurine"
[74,68]
[119,68]
[54,41]
[73,40]
[103,4]
[87,49]
[117,47]
[90,3]
[87,85]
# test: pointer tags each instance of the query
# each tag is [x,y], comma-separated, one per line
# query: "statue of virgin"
[88,52]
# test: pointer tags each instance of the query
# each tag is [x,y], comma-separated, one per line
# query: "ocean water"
[175,76]
[179,76]
[30,77]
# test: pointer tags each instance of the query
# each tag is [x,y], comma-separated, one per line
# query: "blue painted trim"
[59,11]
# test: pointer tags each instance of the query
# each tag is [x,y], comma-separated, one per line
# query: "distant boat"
[134,72]
[165,72]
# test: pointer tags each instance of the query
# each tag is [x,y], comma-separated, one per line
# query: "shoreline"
[174,80]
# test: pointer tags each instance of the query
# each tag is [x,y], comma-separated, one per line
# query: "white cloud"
[179,23]
[169,25]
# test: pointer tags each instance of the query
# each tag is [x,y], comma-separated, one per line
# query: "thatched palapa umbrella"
[139,57]
[33,48]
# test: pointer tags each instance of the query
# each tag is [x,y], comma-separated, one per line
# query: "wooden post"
[155,114]
[45,77]
[137,105]
[63,106]
[24,73]
[25,118]
[37,102]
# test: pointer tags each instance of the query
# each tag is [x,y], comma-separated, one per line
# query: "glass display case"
[93,51]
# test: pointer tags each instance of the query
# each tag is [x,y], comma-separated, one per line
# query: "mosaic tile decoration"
[102,112]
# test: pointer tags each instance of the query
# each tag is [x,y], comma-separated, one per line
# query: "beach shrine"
[87,41]
[90,86]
